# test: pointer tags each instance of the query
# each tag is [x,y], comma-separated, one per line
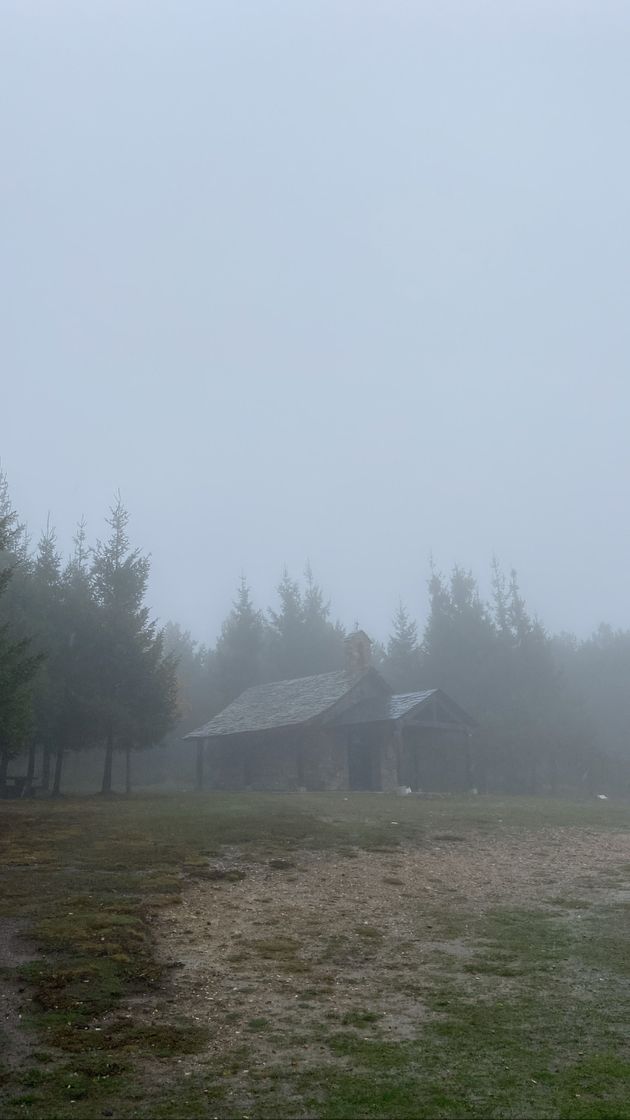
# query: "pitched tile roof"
[265,707]
[281,704]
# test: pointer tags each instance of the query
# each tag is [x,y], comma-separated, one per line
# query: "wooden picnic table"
[18,785]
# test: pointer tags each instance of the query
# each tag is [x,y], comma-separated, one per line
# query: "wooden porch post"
[201,749]
[398,744]
[469,766]
[300,763]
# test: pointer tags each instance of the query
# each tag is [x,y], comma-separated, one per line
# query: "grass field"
[315,956]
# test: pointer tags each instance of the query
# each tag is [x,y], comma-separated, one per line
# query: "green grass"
[553,1043]
[529,1022]
[540,1047]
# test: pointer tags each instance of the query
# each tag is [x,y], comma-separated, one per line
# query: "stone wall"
[317,759]
[260,762]
[389,759]
[324,756]
[312,759]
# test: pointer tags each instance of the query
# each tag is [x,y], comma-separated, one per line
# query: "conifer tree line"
[83,665]
[552,711]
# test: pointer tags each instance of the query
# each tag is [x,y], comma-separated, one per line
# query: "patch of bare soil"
[14,951]
[287,955]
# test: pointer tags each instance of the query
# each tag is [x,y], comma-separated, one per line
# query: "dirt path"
[330,940]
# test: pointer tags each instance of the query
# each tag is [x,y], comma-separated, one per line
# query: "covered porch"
[422,741]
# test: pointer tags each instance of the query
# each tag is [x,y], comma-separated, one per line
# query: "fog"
[344,282]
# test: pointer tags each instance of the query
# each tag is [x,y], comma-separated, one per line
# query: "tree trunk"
[533,778]
[46,768]
[106,786]
[4,766]
[30,770]
[56,789]
[470,775]
[128,770]
[200,752]
[554,779]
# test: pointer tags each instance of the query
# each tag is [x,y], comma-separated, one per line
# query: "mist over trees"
[552,711]
[84,666]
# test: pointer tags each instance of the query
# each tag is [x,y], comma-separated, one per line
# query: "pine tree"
[323,639]
[531,718]
[12,531]
[138,686]
[536,693]
[500,600]
[402,664]
[287,636]
[459,655]
[19,663]
[303,639]
[46,623]
[78,670]
[597,671]
[14,554]
[240,649]
[315,607]
[459,640]
[196,677]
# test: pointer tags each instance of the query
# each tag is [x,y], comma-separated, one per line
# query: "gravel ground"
[329,940]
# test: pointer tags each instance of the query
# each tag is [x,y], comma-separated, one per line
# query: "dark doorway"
[360,762]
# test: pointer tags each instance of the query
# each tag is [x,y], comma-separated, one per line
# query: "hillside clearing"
[318,955]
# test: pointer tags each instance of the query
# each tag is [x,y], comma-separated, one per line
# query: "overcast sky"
[345,281]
